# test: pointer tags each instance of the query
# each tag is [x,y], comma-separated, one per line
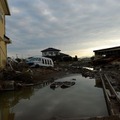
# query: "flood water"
[43,103]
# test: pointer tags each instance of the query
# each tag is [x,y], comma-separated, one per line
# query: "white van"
[37,61]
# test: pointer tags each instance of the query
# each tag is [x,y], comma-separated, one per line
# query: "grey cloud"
[42,23]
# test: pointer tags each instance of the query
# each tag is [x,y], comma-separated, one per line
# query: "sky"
[76,27]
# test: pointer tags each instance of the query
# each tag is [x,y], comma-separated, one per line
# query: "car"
[37,61]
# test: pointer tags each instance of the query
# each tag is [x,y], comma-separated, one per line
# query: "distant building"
[4,40]
[65,57]
[50,52]
[55,54]
[108,52]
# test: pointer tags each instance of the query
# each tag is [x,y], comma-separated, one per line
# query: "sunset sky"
[76,27]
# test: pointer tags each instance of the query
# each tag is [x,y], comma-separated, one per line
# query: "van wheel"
[37,66]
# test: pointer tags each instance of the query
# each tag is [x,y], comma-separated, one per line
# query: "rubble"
[19,72]
[23,75]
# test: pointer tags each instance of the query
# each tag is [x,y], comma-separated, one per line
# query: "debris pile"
[23,75]
[19,72]
[14,75]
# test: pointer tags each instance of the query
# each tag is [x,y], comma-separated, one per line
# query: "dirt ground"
[26,75]
[23,74]
[47,74]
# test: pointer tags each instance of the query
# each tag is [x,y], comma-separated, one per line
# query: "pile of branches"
[17,71]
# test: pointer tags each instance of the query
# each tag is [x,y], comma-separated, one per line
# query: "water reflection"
[9,99]
[80,99]
[63,85]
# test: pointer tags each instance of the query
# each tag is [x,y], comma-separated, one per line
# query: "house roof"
[5,7]
[50,49]
[108,49]
[63,54]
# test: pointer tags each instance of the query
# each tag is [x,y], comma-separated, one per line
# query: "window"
[50,53]
[39,59]
[43,61]
[50,63]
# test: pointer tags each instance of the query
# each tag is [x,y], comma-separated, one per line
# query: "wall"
[2,22]
[3,49]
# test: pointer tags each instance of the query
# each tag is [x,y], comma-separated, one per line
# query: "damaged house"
[55,54]
[108,52]
[107,55]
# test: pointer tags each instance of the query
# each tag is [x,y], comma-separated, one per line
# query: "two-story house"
[50,52]
[55,54]
[4,40]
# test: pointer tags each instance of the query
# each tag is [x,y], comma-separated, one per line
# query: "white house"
[51,52]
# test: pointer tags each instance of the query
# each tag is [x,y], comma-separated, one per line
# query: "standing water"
[41,102]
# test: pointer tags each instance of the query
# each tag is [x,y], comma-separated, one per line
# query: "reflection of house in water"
[9,99]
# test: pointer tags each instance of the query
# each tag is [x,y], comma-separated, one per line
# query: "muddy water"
[43,103]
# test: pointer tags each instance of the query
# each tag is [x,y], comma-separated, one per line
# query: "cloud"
[69,25]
